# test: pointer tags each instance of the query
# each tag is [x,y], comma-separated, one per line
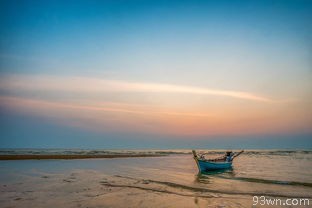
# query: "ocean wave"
[79,152]
[266,181]
[179,189]
[156,152]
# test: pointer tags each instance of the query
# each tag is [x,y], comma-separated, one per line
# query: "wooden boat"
[205,165]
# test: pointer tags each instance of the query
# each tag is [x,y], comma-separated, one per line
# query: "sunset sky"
[156,74]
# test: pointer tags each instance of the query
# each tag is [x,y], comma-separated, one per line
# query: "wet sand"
[69,157]
[82,188]
[171,181]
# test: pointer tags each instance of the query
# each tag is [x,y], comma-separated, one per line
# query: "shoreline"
[70,157]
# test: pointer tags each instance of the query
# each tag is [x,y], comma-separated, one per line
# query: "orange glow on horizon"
[154,119]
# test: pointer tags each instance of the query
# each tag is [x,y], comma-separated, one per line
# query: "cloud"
[96,85]
[102,117]
[94,105]
[16,102]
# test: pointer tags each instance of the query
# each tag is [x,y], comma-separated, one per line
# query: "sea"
[259,178]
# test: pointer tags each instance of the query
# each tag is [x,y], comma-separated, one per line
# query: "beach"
[166,181]
[102,103]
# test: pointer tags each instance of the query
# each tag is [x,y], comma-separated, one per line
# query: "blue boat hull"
[205,166]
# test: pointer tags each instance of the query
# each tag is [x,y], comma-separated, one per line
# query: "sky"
[156,74]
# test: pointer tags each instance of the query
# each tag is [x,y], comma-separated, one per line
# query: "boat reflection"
[204,177]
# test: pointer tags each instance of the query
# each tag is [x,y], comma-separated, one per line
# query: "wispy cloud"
[104,107]
[95,85]
[103,117]
[97,107]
